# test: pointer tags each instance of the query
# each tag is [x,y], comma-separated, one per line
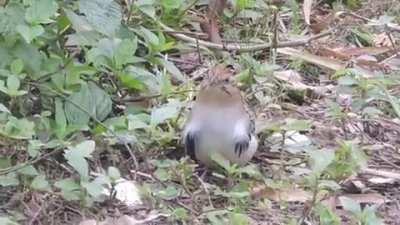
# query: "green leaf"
[17,66]
[70,189]
[239,219]
[350,205]
[147,7]
[104,15]
[10,179]
[171,4]
[162,174]
[113,173]
[40,183]
[102,104]
[326,216]
[79,23]
[168,193]
[320,160]
[30,55]
[94,101]
[13,83]
[60,119]
[172,69]
[149,36]
[167,111]
[7,221]
[93,188]
[124,52]
[76,157]
[40,11]
[3,108]
[296,125]
[28,171]
[18,128]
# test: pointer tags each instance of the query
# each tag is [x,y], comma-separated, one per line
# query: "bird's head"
[217,86]
[219,75]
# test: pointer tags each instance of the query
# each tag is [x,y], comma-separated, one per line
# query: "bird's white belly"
[218,135]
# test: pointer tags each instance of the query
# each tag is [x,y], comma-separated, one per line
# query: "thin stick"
[243,48]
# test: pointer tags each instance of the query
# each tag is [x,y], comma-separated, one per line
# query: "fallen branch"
[242,47]
[381,173]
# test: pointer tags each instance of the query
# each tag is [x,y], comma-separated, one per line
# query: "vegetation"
[94,93]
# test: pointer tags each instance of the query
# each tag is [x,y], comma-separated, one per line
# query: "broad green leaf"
[93,188]
[18,128]
[296,125]
[79,23]
[326,216]
[7,221]
[172,69]
[40,11]
[168,193]
[67,184]
[30,55]
[104,15]
[60,119]
[124,52]
[129,80]
[149,36]
[350,205]
[40,183]
[3,108]
[81,114]
[162,174]
[76,157]
[17,66]
[166,86]
[13,83]
[167,111]
[10,17]
[147,7]
[70,189]
[102,104]
[171,4]
[28,171]
[92,101]
[9,179]
[113,173]
[238,219]
[145,77]
[320,160]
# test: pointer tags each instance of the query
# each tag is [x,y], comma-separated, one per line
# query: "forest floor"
[315,101]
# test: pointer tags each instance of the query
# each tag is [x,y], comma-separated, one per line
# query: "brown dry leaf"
[370,198]
[307,5]
[348,53]
[321,22]
[315,59]
[288,195]
[383,40]
[370,63]
[365,51]
[293,78]
[393,63]
[334,53]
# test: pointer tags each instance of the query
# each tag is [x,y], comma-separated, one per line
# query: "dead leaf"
[383,40]
[307,5]
[293,78]
[314,59]
[369,198]
[288,195]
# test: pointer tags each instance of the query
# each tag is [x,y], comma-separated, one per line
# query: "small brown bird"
[219,121]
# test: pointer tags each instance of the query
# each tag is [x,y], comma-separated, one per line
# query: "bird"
[220,121]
